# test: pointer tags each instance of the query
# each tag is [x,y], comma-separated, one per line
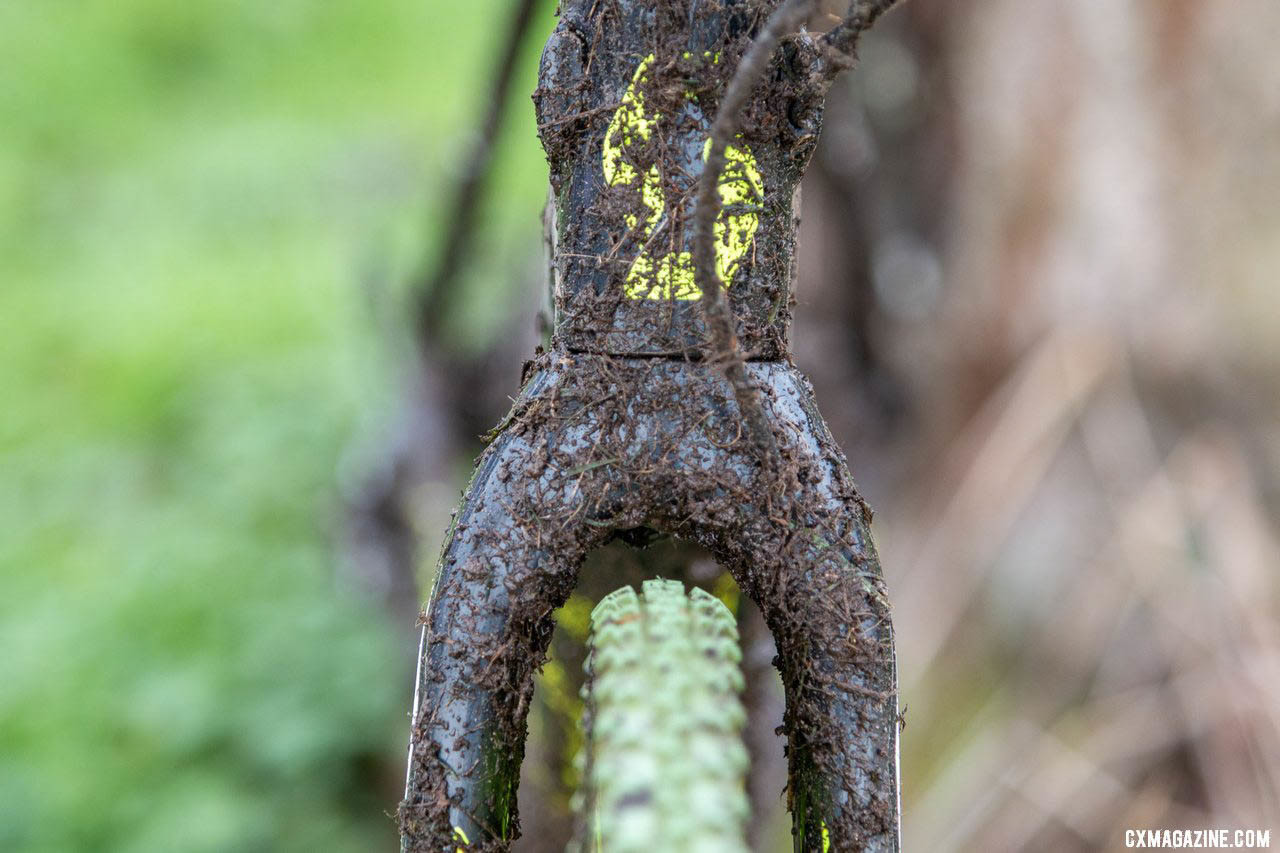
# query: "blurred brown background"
[1040,305]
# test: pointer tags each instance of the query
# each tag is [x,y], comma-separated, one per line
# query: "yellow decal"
[826,838]
[741,194]
[459,835]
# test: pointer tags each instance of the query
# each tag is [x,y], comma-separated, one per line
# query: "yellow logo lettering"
[741,196]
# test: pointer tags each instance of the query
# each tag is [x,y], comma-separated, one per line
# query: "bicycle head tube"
[624,113]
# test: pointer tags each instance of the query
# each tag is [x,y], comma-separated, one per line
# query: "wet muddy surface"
[621,429]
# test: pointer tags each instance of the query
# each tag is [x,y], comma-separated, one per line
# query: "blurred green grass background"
[196,200]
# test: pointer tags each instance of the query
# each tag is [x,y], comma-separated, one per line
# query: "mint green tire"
[665,766]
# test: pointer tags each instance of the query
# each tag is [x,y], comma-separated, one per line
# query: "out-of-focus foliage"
[196,201]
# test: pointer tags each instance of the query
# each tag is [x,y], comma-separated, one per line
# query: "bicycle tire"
[665,765]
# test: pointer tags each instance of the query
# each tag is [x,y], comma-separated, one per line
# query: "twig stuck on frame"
[724,348]
[840,41]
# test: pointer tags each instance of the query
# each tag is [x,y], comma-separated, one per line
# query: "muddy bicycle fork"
[618,428]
